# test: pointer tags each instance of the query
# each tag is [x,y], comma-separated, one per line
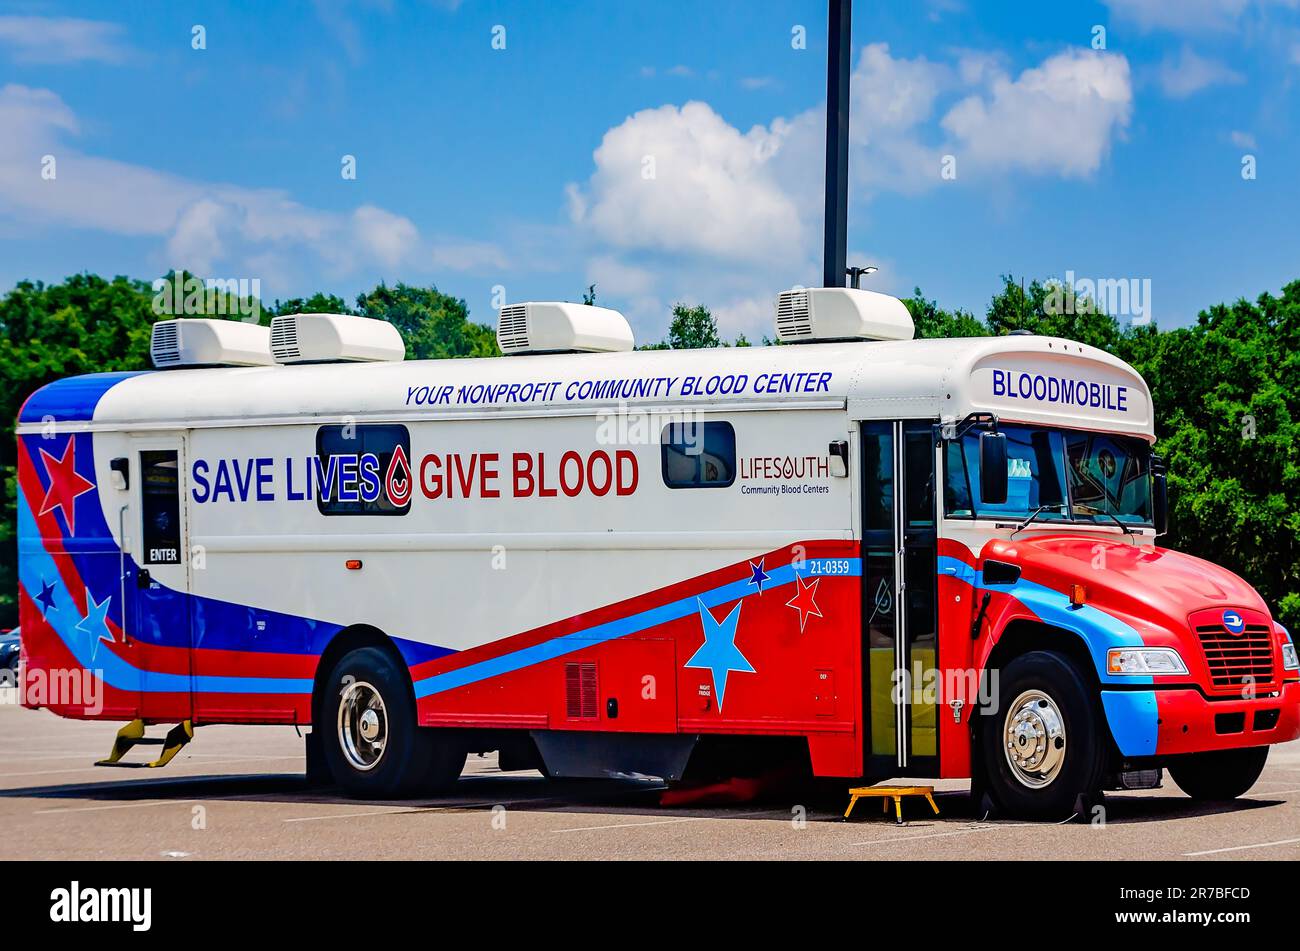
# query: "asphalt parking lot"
[238,793]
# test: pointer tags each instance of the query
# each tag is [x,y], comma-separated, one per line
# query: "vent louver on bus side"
[793,319]
[580,693]
[165,344]
[512,329]
[284,339]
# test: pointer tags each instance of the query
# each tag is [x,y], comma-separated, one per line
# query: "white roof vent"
[551,327]
[334,338]
[198,342]
[841,313]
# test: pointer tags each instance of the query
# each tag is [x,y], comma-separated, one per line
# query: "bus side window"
[352,475]
[698,455]
[160,507]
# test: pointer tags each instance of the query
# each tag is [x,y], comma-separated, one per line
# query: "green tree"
[692,328]
[433,324]
[318,303]
[933,321]
[1227,397]
[83,325]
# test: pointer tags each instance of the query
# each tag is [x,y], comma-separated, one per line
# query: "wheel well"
[346,640]
[1022,636]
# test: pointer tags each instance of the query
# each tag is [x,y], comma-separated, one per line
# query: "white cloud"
[388,237]
[730,217]
[757,82]
[1242,140]
[683,180]
[199,225]
[1189,73]
[1058,118]
[36,39]
[1192,16]
[469,256]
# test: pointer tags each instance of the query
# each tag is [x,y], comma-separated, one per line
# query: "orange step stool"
[886,793]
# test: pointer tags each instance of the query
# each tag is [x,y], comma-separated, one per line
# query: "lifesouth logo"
[1234,622]
[76,904]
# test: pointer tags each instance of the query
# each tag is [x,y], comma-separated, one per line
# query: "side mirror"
[1159,497]
[993,468]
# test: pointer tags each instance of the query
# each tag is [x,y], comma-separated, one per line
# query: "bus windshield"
[1072,476]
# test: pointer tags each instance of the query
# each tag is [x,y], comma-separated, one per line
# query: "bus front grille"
[1237,660]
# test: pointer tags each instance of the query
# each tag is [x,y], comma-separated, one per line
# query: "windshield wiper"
[1116,519]
[1034,514]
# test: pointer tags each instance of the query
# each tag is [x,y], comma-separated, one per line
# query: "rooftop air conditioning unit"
[840,313]
[551,327]
[196,342]
[334,338]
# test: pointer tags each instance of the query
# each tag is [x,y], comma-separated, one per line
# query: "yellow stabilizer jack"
[132,735]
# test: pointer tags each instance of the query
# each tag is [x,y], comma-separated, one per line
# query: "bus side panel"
[76,660]
[712,654]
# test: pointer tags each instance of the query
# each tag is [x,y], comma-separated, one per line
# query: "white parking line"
[940,835]
[664,822]
[1242,848]
[127,805]
[417,808]
[92,767]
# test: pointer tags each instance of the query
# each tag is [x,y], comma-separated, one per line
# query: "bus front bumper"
[1175,720]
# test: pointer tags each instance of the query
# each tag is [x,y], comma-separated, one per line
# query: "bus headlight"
[1144,661]
[1289,661]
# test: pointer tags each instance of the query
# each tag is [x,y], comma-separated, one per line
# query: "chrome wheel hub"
[1034,739]
[362,725]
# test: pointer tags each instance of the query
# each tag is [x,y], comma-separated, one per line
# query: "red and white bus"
[874,555]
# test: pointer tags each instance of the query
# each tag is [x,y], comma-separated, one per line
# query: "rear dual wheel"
[372,741]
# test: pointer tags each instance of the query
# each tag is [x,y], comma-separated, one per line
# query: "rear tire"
[371,736]
[1044,751]
[1218,775]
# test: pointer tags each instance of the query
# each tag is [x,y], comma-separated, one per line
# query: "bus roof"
[1025,378]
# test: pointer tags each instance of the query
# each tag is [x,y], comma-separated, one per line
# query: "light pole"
[835,250]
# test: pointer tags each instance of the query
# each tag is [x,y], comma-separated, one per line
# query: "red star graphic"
[66,483]
[804,602]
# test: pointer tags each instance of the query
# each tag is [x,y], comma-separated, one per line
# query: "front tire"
[1044,750]
[1218,775]
[372,740]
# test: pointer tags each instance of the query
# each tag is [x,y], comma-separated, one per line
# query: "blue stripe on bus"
[72,400]
[612,630]
[1100,631]
[1133,719]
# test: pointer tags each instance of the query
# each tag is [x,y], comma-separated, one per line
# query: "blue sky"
[665,151]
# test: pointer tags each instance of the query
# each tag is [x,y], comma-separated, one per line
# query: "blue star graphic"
[95,623]
[759,574]
[46,597]
[719,654]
